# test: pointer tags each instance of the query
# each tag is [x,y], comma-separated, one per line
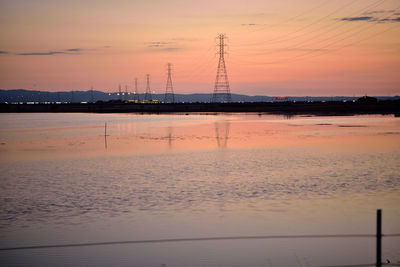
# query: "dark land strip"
[286,108]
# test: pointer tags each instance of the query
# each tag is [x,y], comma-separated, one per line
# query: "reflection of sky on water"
[184,176]
[134,134]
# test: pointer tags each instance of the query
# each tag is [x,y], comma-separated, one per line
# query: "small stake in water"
[105,135]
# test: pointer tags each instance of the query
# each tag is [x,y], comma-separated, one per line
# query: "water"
[180,176]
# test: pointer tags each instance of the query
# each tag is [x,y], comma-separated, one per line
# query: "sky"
[275,48]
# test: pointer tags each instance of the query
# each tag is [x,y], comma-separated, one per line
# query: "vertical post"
[105,135]
[379,238]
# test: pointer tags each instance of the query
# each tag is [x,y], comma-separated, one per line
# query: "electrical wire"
[298,15]
[323,48]
[307,26]
[329,29]
[194,239]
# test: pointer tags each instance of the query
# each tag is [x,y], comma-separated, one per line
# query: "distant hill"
[22,95]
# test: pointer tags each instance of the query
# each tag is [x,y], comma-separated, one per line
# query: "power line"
[353,265]
[347,45]
[361,265]
[204,69]
[335,26]
[196,239]
[301,14]
[351,34]
[201,63]
[325,30]
[279,39]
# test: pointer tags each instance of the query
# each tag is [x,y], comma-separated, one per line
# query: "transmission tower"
[222,93]
[148,96]
[119,92]
[126,92]
[136,93]
[169,90]
[91,94]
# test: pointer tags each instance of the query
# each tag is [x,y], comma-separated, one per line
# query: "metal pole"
[379,238]
[105,135]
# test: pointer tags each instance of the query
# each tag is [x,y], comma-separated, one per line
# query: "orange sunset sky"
[286,47]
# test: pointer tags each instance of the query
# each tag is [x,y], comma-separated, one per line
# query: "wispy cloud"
[250,24]
[365,18]
[182,39]
[40,53]
[3,52]
[73,50]
[163,46]
[70,51]
[389,18]
[158,44]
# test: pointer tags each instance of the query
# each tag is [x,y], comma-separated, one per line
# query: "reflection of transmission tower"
[169,137]
[147,96]
[222,133]
[169,90]
[136,93]
[222,92]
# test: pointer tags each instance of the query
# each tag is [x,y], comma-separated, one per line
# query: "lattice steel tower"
[136,93]
[119,92]
[91,95]
[126,92]
[222,93]
[169,90]
[147,95]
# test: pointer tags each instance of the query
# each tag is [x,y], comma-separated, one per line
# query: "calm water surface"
[66,178]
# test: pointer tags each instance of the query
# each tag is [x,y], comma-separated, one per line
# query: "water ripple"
[60,191]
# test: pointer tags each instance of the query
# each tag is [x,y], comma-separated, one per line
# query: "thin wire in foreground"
[362,265]
[194,240]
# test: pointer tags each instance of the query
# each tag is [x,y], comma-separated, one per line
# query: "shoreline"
[286,108]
